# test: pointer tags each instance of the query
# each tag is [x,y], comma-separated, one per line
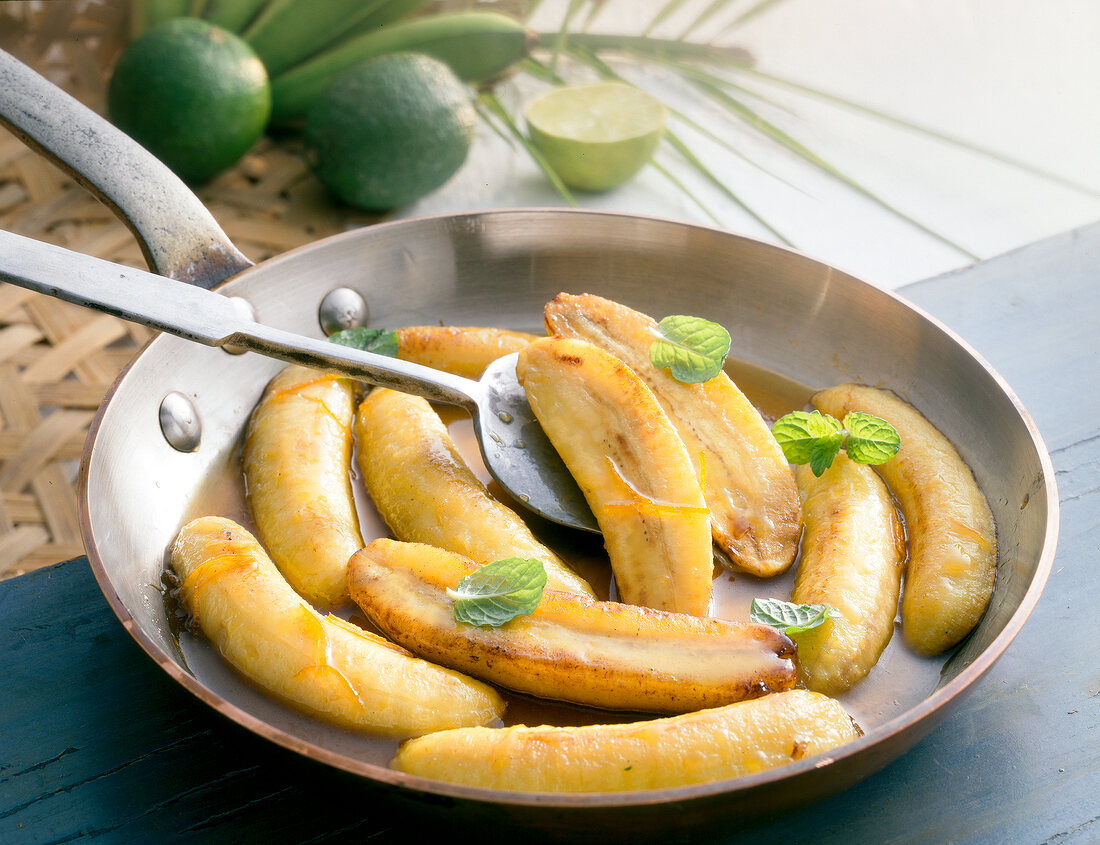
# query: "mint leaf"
[498,592]
[870,440]
[692,348]
[788,617]
[809,437]
[379,341]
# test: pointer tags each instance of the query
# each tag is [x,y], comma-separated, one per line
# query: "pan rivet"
[179,422]
[342,308]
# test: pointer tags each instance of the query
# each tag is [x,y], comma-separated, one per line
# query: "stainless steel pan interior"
[787,314]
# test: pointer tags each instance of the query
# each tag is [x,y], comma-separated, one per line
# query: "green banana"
[477,45]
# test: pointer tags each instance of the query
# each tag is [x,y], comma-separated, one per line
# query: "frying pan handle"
[178,236]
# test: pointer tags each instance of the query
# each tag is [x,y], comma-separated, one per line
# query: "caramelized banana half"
[571,648]
[748,484]
[320,664]
[632,468]
[426,493]
[296,460]
[952,535]
[853,552]
[462,350]
[708,745]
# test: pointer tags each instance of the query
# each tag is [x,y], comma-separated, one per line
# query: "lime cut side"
[596,136]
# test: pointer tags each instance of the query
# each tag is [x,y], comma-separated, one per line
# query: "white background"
[1020,77]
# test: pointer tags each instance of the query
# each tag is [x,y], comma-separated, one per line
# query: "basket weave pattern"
[58,360]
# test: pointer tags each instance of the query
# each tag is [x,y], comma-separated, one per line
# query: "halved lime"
[596,136]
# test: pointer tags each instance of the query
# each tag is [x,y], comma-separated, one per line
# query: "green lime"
[596,136]
[193,94]
[389,130]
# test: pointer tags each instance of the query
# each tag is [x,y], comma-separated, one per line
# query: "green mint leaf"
[499,592]
[379,341]
[809,437]
[692,348]
[788,617]
[870,440]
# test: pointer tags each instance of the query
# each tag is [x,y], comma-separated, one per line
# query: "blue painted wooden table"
[96,743]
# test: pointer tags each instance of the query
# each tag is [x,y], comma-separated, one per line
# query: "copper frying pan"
[788,314]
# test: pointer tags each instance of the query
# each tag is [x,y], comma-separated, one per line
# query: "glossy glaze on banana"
[748,484]
[426,493]
[701,747]
[852,556]
[320,664]
[632,468]
[461,350]
[952,535]
[571,648]
[297,462]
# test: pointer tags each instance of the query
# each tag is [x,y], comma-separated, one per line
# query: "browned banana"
[748,484]
[571,648]
[709,745]
[297,462]
[952,535]
[632,468]
[462,350]
[321,664]
[853,551]
[426,493]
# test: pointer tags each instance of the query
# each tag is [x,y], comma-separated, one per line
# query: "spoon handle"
[209,318]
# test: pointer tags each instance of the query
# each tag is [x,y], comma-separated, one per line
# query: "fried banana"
[425,492]
[461,350]
[748,484]
[700,747]
[297,462]
[321,664]
[632,468]
[853,553]
[952,535]
[571,648]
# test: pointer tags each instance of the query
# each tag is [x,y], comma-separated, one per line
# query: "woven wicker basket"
[57,360]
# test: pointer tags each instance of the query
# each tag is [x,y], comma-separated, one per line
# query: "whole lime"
[193,94]
[596,136]
[389,130]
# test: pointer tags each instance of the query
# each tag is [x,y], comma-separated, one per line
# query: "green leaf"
[788,617]
[499,592]
[870,440]
[379,341]
[809,437]
[693,349]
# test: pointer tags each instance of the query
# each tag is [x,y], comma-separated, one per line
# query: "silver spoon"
[516,451]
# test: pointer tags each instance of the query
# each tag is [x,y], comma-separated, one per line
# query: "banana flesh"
[320,664]
[632,467]
[296,460]
[700,747]
[748,484]
[461,350]
[426,493]
[571,648]
[852,556]
[952,535]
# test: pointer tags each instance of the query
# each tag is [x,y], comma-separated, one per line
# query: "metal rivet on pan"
[247,312]
[179,422]
[342,308]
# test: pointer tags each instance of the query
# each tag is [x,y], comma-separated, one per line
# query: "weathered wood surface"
[97,744]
